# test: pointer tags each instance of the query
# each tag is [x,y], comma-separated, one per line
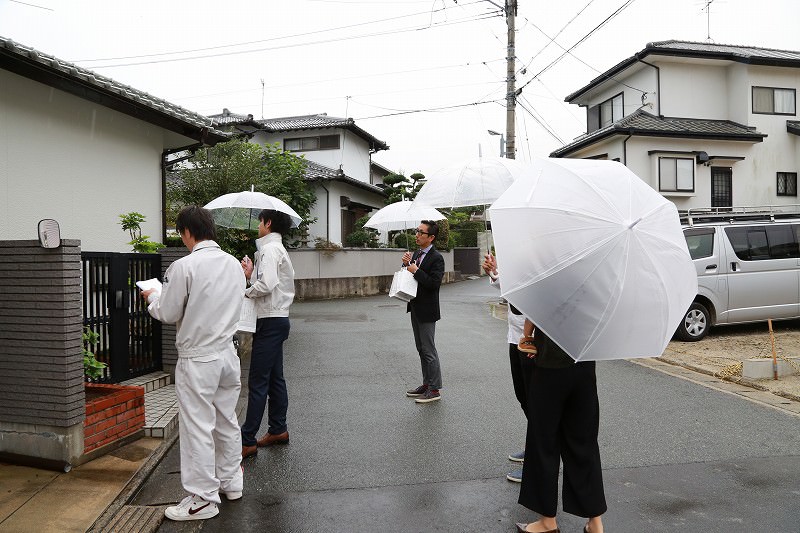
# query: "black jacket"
[429,279]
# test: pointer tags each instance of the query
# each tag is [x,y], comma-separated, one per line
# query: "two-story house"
[347,183]
[704,124]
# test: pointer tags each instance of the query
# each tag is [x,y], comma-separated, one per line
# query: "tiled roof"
[740,54]
[793,126]
[50,70]
[642,123]
[315,171]
[299,123]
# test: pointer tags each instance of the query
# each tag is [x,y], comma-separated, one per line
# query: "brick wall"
[115,414]
[41,361]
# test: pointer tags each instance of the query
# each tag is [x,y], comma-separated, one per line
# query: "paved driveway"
[364,458]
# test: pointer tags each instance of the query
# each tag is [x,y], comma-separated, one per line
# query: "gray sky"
[373,60]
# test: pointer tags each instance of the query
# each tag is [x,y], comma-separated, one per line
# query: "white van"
[748,266]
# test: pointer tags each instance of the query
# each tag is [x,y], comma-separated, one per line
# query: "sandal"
[526,345]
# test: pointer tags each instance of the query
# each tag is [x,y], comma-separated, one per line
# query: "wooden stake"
[774,356]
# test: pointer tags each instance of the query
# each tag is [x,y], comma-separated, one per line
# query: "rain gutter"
[327,211]
[625,148]
[658,83]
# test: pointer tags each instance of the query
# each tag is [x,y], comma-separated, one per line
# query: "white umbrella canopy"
[240,209]
[477,182]
[595,258]
[401,216]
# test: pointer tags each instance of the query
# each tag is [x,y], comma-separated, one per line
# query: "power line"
[430,109]
[582,39]
[540,120]
[206,56]
[246,43]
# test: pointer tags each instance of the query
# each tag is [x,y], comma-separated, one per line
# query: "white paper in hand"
[148,284]
[247,319]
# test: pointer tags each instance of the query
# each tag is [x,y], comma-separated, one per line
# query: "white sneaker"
[231,494]
[192,508]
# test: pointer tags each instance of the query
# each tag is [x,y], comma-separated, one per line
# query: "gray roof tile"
[315,171]
[644,124]
[19,58]
[793,126]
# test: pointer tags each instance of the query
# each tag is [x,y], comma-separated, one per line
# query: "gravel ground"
[726,346]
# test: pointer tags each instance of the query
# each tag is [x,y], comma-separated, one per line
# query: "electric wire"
[428,110]
[540,120]
[246,43]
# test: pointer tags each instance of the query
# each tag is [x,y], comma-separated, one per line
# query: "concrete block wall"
[169,354]
[41,363]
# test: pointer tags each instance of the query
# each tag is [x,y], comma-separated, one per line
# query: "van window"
[700,242]
[757,243]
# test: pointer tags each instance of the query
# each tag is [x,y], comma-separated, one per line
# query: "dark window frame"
[716,196]
[319,139]
[676,189]
[594,113]
[789,177]
[744,241]
[773,112]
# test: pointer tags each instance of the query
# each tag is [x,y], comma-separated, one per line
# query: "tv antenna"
[262,98]
[707,9]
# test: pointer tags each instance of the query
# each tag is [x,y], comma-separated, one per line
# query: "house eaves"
[740,54]
[88,85]
[641,123]
[793,126]
[317,172]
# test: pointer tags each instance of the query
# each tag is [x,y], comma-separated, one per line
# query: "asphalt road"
[676,455]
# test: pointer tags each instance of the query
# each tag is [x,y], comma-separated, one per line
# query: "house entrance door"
[721,186]
[130,340]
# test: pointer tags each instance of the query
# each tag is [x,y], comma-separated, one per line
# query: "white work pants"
[210,439]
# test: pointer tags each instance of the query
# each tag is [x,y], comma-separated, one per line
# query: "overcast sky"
[380,61]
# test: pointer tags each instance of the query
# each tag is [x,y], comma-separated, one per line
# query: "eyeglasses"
[417,230]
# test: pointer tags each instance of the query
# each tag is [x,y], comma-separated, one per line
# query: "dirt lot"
[728,345]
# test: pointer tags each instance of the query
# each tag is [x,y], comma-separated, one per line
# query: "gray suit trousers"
[424,333]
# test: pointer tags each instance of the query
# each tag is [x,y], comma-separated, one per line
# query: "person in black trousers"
[427,266]
[563,424]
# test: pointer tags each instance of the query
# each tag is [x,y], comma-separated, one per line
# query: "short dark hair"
[433,227]
[281,223]
[198,221]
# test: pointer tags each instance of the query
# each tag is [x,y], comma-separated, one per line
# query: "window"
[675,174]
[307,144]
[774,101]
[787,183]
[605,113]
[756,243]
[700,242]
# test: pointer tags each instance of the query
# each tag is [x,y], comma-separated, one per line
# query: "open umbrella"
[594,257]
[240,209]
[401,216]
[477,182]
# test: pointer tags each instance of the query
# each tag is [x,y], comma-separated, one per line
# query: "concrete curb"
[738,380]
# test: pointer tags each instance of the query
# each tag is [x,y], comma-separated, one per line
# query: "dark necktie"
[420,257]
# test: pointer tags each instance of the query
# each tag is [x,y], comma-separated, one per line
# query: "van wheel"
[695,324]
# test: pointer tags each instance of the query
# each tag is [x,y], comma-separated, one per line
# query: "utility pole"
[511,96]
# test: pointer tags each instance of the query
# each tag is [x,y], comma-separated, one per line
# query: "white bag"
[247,319]
[404,286]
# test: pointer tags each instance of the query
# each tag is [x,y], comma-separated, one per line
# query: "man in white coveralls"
[203,293]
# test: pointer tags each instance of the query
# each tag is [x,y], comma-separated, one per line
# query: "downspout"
[658,84]
[625,148]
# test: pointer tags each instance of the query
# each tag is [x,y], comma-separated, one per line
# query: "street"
[363,457]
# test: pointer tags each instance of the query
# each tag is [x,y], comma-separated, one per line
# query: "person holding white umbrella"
[271,286]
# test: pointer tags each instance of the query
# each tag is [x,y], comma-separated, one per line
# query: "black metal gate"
[130,340]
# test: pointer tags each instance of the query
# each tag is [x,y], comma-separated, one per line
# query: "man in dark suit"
[427,266]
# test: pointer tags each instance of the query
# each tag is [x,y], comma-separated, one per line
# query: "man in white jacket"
[203,293]
[271,282]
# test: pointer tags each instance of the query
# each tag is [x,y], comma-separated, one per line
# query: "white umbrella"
[477,182]
[240,209]
[595,258]
[401,216]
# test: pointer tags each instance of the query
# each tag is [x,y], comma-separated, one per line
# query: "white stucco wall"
[353,156]
[694,90]
[82,164]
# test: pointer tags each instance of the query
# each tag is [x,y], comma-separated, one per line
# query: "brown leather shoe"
[249,451]
[269,439]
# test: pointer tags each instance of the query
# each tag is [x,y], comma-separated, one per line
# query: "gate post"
[118,298]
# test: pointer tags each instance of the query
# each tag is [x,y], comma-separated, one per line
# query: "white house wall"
[353,156]
[332,199]
[691,90]
[82,164]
